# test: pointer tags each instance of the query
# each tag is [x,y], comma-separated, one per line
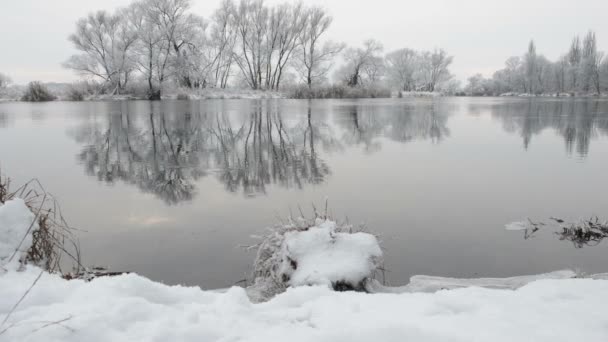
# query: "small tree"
[5,81]
[37,92]
[362,61]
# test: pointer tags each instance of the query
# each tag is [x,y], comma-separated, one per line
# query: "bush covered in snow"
[314,252]
[37,92]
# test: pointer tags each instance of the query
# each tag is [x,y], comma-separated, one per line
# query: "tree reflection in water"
[577,121]
[163,148]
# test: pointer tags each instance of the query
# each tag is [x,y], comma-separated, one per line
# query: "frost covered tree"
[315,59]
[222,42]
[5,81]
[577,71]
[251,20]
[574,59]
[267,37]
[152,50]
[184,32]
[105,41]
[479,86]
[590,64]
[401,67]
[435,68]
[362,64]
[530,68]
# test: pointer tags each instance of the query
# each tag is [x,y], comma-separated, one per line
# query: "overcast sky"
[481,34]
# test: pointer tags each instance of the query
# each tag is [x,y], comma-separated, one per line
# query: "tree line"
[243,43]
[581,70]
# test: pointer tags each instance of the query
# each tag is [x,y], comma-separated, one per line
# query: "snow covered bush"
[37,92]
[314,252]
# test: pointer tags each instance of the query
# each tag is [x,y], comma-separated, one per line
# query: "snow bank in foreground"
[15,220]
[133,308]
[322,256]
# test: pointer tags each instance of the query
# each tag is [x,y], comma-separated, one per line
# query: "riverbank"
[130,307]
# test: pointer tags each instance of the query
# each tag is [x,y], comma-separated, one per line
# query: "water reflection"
[363,125]
[165,148]
[577,121]
[166,151]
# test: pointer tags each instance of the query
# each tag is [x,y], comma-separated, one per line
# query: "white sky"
[481,34]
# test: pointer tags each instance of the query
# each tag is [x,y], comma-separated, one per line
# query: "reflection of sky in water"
[172,189]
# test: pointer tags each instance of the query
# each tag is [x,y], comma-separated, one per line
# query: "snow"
[15,221]
[133,308]
[322,256]
[423,283]
[519,225]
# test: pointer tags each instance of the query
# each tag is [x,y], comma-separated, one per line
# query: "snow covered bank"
[132,308]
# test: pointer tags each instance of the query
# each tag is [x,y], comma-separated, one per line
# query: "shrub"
[37,92]
[339,92]
[75,94]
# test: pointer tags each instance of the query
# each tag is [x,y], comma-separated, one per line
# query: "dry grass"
[588,232]
[584,232]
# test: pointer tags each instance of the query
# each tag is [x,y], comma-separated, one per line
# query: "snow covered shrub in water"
[314,252]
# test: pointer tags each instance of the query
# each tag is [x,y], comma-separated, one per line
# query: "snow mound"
[15,221]
[133,308]
[322,256]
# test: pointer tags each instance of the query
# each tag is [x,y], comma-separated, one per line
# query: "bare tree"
[251,20]
[287,25]
[222,42]
[314,60]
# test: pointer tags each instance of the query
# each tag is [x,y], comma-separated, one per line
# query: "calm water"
[172,189]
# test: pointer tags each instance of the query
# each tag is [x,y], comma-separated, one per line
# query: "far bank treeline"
[163,47]
[583,70]
[243,44]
